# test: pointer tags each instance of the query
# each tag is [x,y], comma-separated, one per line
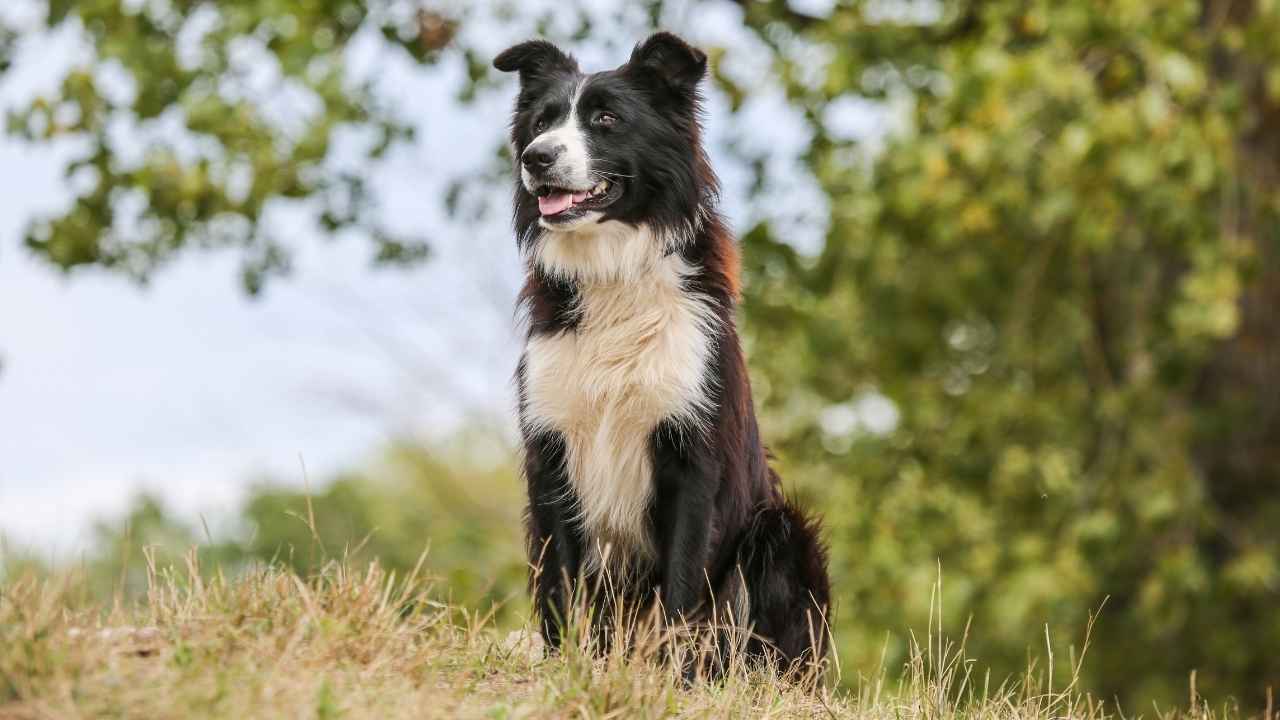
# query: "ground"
[351,643]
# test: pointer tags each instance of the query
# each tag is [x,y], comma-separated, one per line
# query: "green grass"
[361,643]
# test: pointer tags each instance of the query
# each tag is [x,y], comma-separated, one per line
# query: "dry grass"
[364,644]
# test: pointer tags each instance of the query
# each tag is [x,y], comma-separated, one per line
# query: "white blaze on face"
[573,166]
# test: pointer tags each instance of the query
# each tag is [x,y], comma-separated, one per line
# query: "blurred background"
[1011,280]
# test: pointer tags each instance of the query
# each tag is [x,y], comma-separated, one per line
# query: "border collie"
[643,460]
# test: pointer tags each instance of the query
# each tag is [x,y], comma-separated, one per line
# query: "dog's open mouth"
[561,204]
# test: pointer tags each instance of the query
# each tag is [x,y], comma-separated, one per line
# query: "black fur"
[718,517]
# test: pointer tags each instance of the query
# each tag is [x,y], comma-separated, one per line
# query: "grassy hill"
[361,643]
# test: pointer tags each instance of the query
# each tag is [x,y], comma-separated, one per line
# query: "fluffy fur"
[642,454]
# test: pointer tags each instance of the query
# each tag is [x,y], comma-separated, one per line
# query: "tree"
[1063,270]
[450,514]
[237,151]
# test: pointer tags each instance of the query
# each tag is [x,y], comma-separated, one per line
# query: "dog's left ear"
[669,63]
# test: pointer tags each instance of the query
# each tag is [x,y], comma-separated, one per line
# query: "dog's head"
[621,144]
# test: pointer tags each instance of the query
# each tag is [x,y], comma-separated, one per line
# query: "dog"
[642,455]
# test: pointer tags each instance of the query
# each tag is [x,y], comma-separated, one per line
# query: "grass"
[361,643]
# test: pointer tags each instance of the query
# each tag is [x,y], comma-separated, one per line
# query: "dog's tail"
[783,565]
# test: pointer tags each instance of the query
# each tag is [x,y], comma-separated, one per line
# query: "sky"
[191,390]
[188,389]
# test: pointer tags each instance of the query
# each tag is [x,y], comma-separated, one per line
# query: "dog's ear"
[669,64]
[535,60]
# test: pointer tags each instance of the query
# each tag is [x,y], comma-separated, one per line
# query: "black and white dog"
[643,460]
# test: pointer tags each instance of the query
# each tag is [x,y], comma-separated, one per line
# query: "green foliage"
[1062,271]
[464,513]
[258,93]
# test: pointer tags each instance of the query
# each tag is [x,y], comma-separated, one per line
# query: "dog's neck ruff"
[606,252]
[636,357]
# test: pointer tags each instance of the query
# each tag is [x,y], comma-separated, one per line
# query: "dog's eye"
[539,126]
[605,119]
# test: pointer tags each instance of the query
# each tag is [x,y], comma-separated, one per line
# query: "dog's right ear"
[535,60]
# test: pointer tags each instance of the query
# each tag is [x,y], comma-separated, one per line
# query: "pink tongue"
[555,203]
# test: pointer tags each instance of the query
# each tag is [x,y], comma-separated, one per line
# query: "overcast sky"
[188,389]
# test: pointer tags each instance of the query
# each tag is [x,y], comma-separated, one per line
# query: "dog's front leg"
[686,484]
[555,545]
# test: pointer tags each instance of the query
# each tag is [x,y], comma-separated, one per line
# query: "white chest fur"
[637,357]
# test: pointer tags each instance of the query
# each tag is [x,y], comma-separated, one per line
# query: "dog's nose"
[539,157]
